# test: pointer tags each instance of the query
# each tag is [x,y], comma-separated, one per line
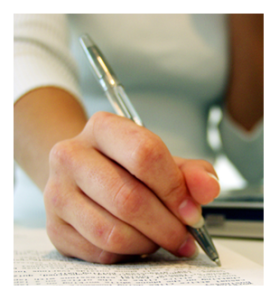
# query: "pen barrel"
[121,104]
[108,81]
[204,240]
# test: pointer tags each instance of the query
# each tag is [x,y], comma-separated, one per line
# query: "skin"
[112,190]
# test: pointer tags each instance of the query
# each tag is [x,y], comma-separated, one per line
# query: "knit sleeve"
[41,54]
[244,149]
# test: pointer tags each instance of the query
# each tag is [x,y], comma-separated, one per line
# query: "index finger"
[145,156]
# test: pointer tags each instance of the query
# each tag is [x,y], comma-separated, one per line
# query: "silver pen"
[123,107]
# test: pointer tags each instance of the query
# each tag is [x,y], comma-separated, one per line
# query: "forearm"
[245,93]
[42,118]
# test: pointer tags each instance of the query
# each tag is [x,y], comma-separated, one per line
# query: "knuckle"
[53,197]
[99,118]
[116,241]
[62,153]
[129,201]
[174,192]
[121,240]
[150,150]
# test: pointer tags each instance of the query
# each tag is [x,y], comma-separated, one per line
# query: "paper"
[36,262]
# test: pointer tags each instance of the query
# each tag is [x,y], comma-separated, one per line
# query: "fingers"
[70,243]
[119,189]
[202,180]
[115,211]
[144,155]
[96,225]
[124,197]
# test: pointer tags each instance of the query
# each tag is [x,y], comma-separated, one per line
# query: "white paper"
[36,262]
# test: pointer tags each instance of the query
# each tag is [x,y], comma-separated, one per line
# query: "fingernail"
[213,176]
[188,248]
[217,180]
[189,212]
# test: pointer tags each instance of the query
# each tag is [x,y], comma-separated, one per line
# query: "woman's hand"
[114,191]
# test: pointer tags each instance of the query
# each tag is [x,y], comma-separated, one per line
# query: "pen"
[123,107]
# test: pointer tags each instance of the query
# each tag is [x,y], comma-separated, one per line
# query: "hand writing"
[115,191]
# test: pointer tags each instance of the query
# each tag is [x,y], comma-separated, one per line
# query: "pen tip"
[218,262]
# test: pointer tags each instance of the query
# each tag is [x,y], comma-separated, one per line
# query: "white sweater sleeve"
[244,149]
[41,54]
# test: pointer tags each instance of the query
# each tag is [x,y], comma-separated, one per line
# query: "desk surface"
[251,249]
